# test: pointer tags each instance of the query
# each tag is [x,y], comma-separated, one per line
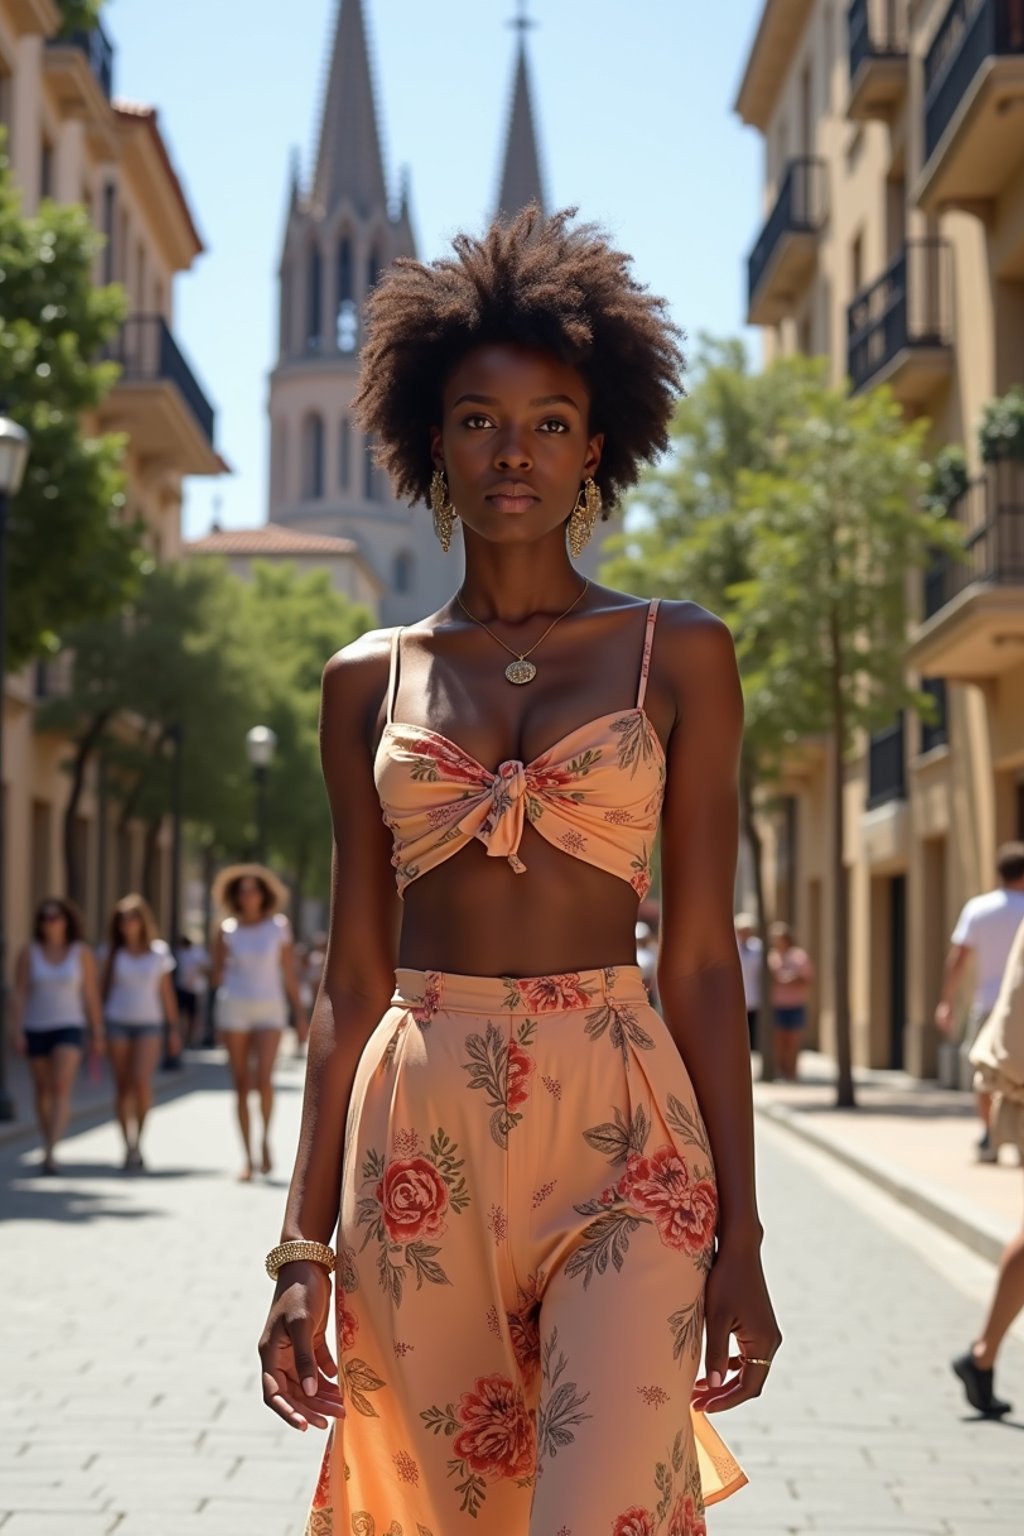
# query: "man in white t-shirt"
[984,932]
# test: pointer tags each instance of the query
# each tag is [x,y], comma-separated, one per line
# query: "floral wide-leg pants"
[527,1222]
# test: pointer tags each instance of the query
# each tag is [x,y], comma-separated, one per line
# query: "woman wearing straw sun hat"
[253,975]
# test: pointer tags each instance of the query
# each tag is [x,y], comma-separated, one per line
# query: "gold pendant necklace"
[522,670]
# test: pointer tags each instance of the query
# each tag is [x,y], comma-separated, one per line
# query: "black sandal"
[978,1384]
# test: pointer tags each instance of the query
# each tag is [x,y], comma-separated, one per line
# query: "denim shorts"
[791,1018]
[43,1042]
[119,1031]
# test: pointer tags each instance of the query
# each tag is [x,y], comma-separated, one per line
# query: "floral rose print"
[414,1199]
[686,1519]
[685,1209]
[521,1067]
[634,1521]
[348,1327]
[503,1070]
[492,1438]
[406,1203]
[545,994]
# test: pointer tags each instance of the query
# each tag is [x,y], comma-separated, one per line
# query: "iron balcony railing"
[877,29]
[800,208]
[146,349]
[98,49]
[887,778]
[970,32]
[991,516]
[935,732]
[910,305]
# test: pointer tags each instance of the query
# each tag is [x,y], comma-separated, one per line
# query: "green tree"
[79,15]
[297,622]
[179,660]
[837,520]
[53,325]
[689,539]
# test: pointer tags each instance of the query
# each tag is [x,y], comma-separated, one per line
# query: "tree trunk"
[149,890]
[74,878]
[845,1098]
[765,1019]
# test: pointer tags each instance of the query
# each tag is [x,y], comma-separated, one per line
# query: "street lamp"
[260,743]
[14,450]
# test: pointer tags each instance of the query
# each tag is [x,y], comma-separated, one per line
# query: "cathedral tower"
[340,235]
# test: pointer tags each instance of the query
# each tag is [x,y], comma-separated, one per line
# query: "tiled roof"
[270,539]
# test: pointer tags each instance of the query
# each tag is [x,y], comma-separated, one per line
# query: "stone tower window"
[402,571]
[313,457]
[347,325]
[314,302]
[344,453]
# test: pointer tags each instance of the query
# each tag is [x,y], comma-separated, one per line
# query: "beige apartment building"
[70,138]
[893,245]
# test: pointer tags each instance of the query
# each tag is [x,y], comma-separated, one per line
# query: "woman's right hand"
[297,1364]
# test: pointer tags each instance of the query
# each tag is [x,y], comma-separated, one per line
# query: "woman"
[998,1058]
[528,1210]
[138,998]
[56,1000]
[253,974]
[791,976]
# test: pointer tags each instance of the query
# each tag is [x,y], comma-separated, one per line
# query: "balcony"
[974,96]
[878,43]
[158,401]
[80,68]
[899,329]
[887,757]
[974,605]
[787,248]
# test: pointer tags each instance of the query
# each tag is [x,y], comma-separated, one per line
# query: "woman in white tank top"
[138,998]
[56,1003]
[253,974]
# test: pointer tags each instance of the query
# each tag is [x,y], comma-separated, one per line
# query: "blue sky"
[634,106]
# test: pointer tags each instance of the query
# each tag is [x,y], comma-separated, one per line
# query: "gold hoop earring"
[444,513]
[583,517]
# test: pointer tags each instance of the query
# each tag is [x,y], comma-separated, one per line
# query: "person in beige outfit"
[998,1058]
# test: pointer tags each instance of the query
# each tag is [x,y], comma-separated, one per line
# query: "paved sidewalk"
[913,1139]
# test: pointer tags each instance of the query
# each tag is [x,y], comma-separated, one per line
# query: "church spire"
[349,162]
[520,177]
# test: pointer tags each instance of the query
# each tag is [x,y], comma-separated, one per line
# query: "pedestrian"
[791,977]
[253,974]
[529,1225]
[751,959]
[191,973]
[984,932]
[56,1007]
[998,1057]
[138,1003]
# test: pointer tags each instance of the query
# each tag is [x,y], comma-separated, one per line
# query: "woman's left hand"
[736,1302]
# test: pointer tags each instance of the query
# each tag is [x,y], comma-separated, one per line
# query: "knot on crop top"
[596,794]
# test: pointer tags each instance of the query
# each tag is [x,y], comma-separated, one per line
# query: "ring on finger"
[754,1360]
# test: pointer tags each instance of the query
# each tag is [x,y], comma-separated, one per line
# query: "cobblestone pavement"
[131,1307]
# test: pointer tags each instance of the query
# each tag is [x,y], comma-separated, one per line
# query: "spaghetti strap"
[393,674]
[645,665]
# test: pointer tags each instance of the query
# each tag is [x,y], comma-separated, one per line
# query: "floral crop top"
[596,793]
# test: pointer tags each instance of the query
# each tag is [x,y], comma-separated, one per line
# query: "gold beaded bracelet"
[291,1253]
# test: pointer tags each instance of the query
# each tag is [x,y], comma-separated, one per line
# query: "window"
[314,301]
[857,265]
[109,220]
[279,461]
[369,473]
[285,340]
[313,458]
[402,572]
[121,254]
[344,453]
[806,111]
[6,104]
[140,279]
[373,267]
[46,169]
[347,318]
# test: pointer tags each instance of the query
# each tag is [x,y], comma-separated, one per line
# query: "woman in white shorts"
[253,974]
[138,998]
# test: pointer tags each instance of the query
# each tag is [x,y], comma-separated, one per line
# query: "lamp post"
[259,746]
[14,450]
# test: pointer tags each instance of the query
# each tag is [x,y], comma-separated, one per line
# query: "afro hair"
[533,281]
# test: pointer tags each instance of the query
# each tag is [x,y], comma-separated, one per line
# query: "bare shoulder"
[357,675]
[696,646]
